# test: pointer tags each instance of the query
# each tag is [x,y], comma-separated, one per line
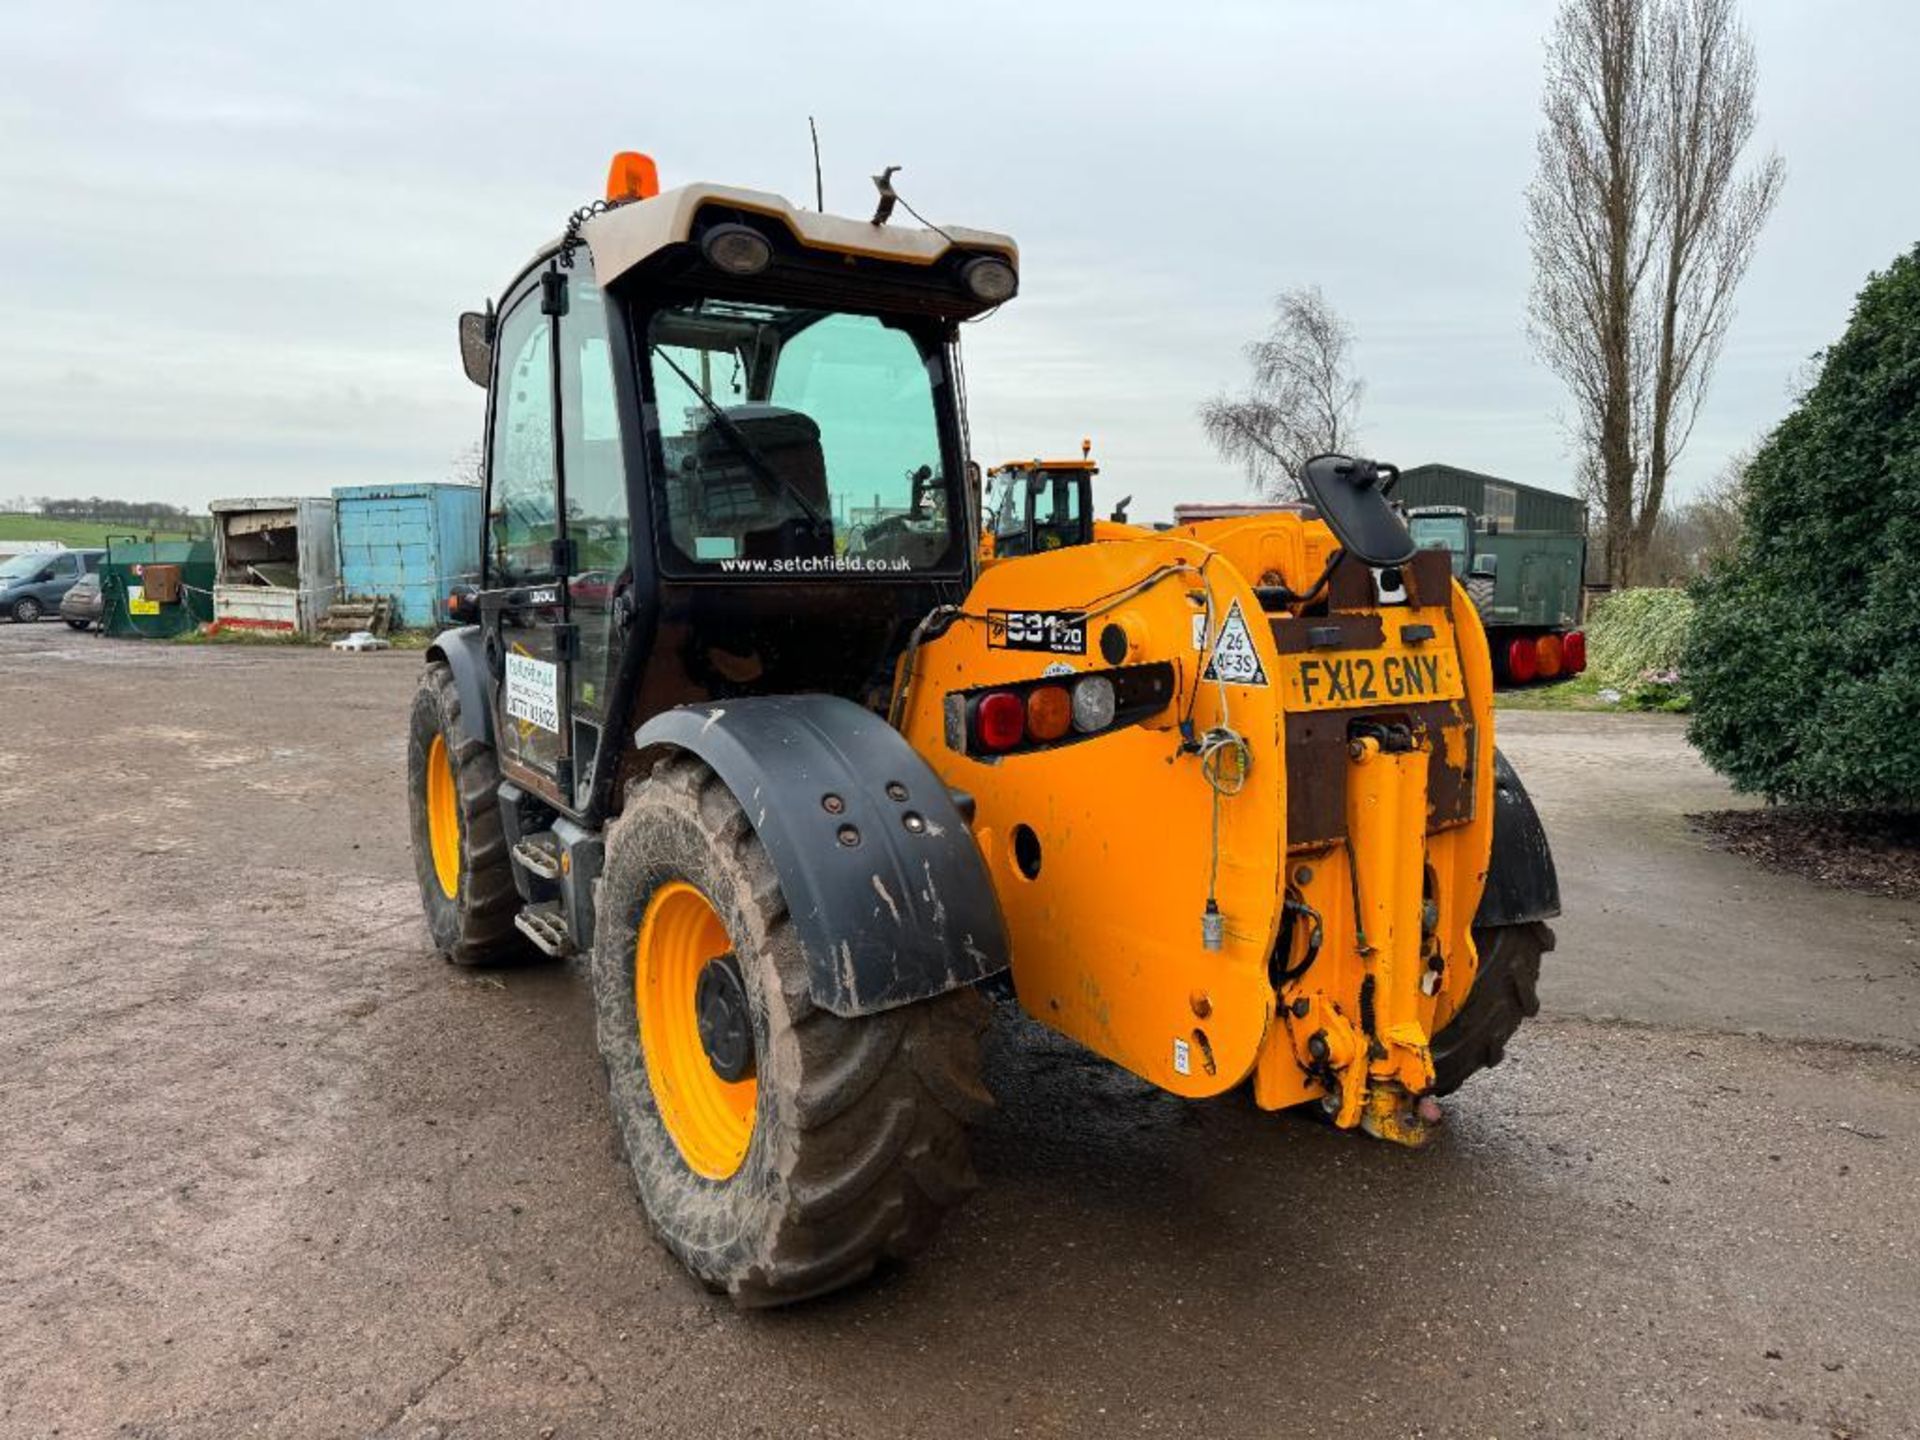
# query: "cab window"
[1442,532]
[521,513]
[796,442]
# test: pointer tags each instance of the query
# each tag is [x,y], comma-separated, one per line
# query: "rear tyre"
[841,1142]
[26,610]
[1505,991]
[80,625]
[459,843]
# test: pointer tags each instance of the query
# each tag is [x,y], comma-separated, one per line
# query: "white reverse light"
[1092,704]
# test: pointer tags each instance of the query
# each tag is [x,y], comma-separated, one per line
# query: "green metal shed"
[1498,505]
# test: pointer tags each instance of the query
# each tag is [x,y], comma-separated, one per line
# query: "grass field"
[86,534]
[1580,693]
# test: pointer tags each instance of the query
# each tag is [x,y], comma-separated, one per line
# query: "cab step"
[539,854]
[546,926]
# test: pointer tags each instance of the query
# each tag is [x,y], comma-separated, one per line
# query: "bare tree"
[465,468]
[1693,535]
[1303,398]
[1642,224]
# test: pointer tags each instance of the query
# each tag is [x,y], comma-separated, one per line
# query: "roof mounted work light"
[736,249]
[990,279]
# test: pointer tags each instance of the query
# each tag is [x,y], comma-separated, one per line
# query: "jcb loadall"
[740,715]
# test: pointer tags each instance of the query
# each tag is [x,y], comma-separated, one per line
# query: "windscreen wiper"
[746,448]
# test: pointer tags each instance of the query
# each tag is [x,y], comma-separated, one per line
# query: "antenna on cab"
[819,187]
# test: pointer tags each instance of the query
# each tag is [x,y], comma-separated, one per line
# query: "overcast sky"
[236,239]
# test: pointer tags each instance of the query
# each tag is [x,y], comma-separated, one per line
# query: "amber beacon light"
[632,176]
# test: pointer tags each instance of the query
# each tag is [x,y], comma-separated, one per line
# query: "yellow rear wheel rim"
[443,817]
[710,1119]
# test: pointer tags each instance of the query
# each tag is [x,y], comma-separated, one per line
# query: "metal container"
[276,565]
[129,611]
[408,543]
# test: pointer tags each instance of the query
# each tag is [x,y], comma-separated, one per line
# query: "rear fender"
[1522,884]
[907,911]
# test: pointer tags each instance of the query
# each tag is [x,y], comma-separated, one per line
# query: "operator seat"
[760,514]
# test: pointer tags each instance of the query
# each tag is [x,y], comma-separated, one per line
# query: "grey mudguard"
[906,913]
[466,656]
[1521,882]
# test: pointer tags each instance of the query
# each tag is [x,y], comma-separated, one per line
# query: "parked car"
[33,584]
[84,606]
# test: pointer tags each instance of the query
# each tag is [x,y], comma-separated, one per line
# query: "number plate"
[1345,680]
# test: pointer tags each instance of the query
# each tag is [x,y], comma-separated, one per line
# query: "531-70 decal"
[1056,632]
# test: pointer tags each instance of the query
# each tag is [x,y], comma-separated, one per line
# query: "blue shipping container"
[409,543]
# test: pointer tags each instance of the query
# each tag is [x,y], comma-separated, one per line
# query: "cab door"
[523,601]
[558,599]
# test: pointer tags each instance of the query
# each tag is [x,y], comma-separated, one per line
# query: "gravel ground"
[271,1168]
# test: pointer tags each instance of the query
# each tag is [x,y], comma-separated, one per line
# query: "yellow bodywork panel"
[1107,936]
[1345,864]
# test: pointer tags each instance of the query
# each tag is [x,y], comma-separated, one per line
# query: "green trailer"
[1520,551]
[156,589]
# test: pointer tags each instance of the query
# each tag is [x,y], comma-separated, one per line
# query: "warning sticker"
[1234,659]
[1182,1058]
[533,692]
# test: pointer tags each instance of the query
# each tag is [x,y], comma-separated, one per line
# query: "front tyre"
[780,1151]
[459,843]
[26,610]
[1506,990]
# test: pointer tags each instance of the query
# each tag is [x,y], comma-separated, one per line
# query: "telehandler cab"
[738,714]
[1036,505]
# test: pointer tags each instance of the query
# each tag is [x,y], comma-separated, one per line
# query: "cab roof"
[627,234]
[1088,465]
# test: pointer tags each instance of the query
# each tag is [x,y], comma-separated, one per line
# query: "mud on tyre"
[844,1141]
[459,843]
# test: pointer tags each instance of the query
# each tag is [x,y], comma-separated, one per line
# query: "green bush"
[1804,659]
[1638,637]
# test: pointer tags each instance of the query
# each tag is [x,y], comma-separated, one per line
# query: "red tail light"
[1000,721]
[1573,653]
[1523,661]
[1548,657]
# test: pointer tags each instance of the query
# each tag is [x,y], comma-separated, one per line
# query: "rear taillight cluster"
[1545,657]
[1040,714]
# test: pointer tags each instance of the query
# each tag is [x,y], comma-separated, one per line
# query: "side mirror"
[1485,567]
[1351,496]
[476,345]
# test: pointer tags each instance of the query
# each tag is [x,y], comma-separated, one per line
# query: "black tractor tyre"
[26,610]
[858,1140]
[474,925]
[1505,991]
